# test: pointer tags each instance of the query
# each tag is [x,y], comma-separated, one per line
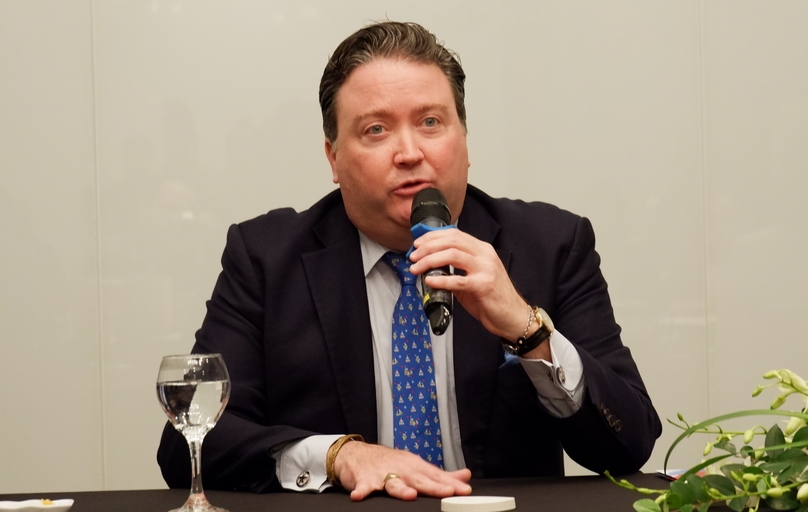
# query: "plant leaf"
[728,469]
[774,467]
[727,447]
[646,505]
[800,435]
[684,491]
[796,469]
[788,501]
[774,437]
[747,451]
[721,484]
[674,501]
[791,454]
[737,504]
[697,485]
[786,445]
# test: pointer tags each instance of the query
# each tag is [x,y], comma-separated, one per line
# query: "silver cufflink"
[303,479]
[560,375]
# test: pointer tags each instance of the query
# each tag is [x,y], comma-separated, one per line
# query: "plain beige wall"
[133,133]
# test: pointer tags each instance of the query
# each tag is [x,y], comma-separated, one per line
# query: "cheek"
[452,161]
[369,168]
[452,166]
[345,167]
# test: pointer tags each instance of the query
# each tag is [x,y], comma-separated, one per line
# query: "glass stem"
[196,467]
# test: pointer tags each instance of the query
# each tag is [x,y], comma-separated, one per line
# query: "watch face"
[545,320]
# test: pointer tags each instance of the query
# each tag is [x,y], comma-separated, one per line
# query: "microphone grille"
[429,202]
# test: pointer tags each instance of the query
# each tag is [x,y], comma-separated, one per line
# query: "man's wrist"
[331,456]
[538,330]
[524,324]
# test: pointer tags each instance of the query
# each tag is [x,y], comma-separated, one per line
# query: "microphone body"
[429,208]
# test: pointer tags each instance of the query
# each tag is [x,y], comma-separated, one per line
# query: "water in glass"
[193,390]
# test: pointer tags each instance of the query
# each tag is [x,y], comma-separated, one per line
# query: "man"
[301,312]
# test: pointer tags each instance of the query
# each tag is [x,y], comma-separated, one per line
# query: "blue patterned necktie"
[416,426]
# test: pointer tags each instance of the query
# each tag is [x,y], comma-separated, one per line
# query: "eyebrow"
[420,109]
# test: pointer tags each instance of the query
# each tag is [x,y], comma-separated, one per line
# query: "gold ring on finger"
[389,477]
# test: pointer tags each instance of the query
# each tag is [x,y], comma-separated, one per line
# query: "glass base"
[206,508]
[198,503]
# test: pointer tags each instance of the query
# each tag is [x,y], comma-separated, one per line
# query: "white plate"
[36,505]
[477,504]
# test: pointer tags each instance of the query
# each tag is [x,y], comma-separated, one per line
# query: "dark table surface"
[582,493]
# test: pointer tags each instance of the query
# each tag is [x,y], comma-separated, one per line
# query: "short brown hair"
[387,39]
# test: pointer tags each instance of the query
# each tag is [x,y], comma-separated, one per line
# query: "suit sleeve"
[236,452]
[616,427]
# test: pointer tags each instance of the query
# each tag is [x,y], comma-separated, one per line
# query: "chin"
[399,237]
[401,215]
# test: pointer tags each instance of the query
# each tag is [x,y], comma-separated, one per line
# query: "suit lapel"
[337,285]
[477,352]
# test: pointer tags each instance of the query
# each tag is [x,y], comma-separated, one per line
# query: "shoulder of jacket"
[288,219]
[504,210]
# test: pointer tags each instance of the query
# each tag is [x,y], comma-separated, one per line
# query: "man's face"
[397,133]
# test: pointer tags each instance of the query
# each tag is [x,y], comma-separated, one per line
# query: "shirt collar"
[372,252]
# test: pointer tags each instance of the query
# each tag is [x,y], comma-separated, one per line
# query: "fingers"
[361,491]
[481,265]
[464,475]
[442,486]
[410,486]
[485,289]
[363,468]
[449,247]
[397,488]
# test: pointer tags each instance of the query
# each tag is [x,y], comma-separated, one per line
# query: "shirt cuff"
[301,464]
[560,384]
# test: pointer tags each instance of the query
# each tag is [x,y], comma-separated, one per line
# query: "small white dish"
[42,505]
[477,504]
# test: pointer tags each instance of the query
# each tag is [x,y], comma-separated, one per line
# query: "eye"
[430,122]
[376,129]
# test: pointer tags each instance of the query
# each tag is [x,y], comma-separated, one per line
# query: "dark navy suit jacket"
[289,313]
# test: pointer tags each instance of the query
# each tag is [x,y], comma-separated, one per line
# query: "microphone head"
[430,203]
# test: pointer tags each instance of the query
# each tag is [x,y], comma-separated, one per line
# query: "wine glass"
[193,390]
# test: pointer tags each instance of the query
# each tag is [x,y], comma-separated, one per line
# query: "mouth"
[410,188]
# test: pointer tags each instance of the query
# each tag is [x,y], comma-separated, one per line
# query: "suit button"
[611,419]
[303,479]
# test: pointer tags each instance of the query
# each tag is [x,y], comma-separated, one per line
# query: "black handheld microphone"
[430,209]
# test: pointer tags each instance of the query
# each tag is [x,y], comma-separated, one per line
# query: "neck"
[393,241]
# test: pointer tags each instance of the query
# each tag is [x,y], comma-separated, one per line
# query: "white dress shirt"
[560,384]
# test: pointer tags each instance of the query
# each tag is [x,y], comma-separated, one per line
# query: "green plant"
[745,477]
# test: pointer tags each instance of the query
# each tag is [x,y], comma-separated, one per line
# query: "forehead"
[392,82]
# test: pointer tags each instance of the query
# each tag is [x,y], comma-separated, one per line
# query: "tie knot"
[401,264]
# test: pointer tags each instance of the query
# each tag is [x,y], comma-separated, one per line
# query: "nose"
[408,152]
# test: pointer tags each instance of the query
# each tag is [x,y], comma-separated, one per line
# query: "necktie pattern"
[416,426]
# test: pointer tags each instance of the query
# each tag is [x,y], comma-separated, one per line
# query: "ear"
[331,155]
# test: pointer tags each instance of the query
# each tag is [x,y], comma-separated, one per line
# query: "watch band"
[523,345]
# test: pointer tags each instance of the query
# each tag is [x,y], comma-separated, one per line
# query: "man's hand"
[361,468]
[486,291]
